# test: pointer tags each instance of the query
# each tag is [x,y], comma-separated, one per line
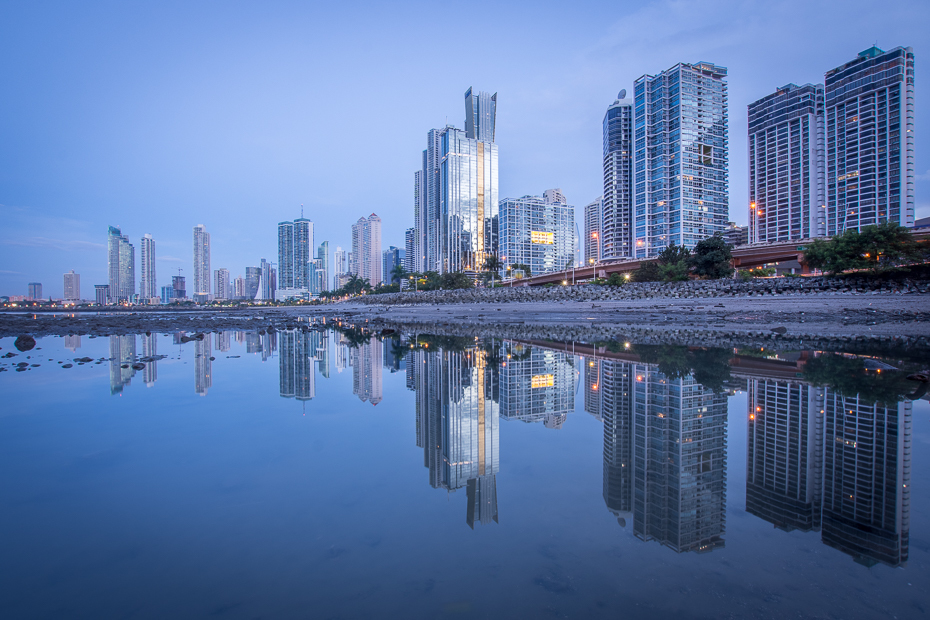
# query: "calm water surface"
[333,475]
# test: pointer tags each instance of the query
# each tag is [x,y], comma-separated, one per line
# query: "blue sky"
[159,116]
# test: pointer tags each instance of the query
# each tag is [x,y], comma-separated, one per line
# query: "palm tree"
[493,264]
[398,273]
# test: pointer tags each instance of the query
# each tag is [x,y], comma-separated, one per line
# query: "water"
[295,476]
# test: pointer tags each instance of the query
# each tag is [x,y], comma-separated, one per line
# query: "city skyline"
[550,130]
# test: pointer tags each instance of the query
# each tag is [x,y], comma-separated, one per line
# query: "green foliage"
[616,279]
[673,254]
[492,266]
[527,272]
[711,258]
[674,272]
[648,272]
[876,248]
[848,377]
[759,272]
[386,288]
[398,273]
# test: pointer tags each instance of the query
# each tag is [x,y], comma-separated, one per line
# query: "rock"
[25,343]
[67,365]
[83,360]
[780,330]
[124,365]
[922,376]
[138,366]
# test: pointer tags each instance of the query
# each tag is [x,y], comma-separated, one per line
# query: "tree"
[648,272]
[527,272]
[876,248]
[398,273]
[712,257]
[493,265]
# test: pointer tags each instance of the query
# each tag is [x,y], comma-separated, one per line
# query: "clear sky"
[162,115]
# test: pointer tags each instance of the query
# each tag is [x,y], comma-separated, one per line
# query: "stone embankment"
[694,289]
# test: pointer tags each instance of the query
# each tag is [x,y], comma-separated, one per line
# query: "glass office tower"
[456,194]
[786,172]
[680,157]
[537,231]
[617,211]
[121,266]
[870,140]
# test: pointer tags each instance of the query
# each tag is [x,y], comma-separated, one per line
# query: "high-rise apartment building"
[456,192]
[121,266]
[616,221]
[253,280]
[410,250]
[147,285]
[72,286]
[593,230]
[870,140]
[391,258]
[786,184]
[538,232]
[680,157]
[102,294]
[340,266]
[295,255]
[321,269]
[35,290]
[202,270]
[286,254]
[366,260]
[221,284]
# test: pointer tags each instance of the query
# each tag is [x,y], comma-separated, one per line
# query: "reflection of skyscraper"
[223,341]
[122,353]
[784,454]
[150,349]
[866,499]
[679,460]
[342,353]
[322,354]
[458,425]
[616,406]
[537,385]
[366,371]
[203,365]
[295,362]
[73,343]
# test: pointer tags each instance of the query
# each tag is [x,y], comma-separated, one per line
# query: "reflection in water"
[458,423]
[817,460]
[122,357]
[72,343]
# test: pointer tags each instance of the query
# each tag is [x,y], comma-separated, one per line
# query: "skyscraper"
[35,290]
[415,241]
[538,232]
[366,260]
[616,221]
[303,253]
[179,285]
[456,194]
[202,270]
[321,268]
[121,266]
[786,185]
[72,286]
[410,250]
[286,254]
[593,230]
[391,258]
[870,140]
[268,281]
[148,288]
[253,279]
[221,284]
[680,157]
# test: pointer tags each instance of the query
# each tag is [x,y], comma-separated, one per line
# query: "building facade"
[593,212]
[680,157]
[147,283]
[202,271]
[869,130]
[221,284]
[786,158]
[365,261]
[456,192]
[34,290]
[121,266]
[538,232]
[391,258]
[72,286]
[616,221]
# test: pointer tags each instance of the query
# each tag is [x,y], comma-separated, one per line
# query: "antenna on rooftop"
[301,210]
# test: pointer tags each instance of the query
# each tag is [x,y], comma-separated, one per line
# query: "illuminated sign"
[544,238]
[543,381]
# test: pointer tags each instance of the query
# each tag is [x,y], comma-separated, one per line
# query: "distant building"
[72,286]
[147,285]
[35,290]
[323,268]
[253,278]
[366,259]
[167,294]
[736,235]
[339,261]
[295,254]
[179,286]
[202,270]
[221,284]
[538,232]
[681,157]
[870,140]
[239,288]
[391,257]
[593,230]
[101,294]
[410,250]
[268,281]
[121,266]
[616,216]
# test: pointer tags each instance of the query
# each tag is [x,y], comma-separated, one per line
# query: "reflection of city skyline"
[122,357]
[820,461]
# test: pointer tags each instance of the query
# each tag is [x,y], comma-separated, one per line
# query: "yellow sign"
[544,238]
[543,381]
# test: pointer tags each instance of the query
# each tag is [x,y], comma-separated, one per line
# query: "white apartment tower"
[202,270]
[148,288]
